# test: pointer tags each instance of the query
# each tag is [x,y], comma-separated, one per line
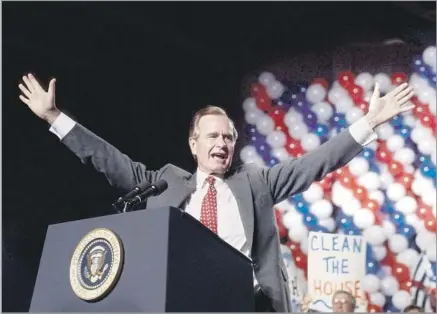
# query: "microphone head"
[142,186]
[160,186]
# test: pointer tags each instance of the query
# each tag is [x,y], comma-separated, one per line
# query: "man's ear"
[192,142]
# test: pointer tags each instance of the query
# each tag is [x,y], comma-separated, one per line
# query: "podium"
[168,262]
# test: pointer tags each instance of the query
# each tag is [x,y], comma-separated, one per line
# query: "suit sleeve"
[296,175]
[120,171]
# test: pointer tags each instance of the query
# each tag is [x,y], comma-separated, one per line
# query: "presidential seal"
[96,264]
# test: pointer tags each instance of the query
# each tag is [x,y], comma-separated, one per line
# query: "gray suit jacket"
[256,191]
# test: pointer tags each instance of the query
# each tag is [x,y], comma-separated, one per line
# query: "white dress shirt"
[229,222]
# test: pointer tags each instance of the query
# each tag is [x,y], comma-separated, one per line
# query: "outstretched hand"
[41,102]
[382,109]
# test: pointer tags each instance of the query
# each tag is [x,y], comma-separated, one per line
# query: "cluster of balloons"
[387,194]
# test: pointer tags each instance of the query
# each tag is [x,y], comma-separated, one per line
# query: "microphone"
[137,189]
[153,190]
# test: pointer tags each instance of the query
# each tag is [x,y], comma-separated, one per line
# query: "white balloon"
[389,285]
[253,115]
[377,298]
[328,223]
[414,221]
[378,196]
[397,243]
[420,185]
[417,82]
[406,205]
[265,125]
[358,166]
[384,131]
[427,145]
[371,181]
[418,133]
[429,196]
[292,117]
[409,120]
[433,105]
[364,218]
[304,245]
[405,156]
[341,195]
[384,82]
[322,209]
[374,235]
[323,111]
[353,115]
[395,142]
[248,152]
[429,56]
[266,78]
[379,252]
[351,206]
[426,94]
[365,80]
[298,232]
[276,139]
[386,179]
[423,238]
[315,93]
[275,90]
[314,193]
[401,299]
[396,191]
[344,104]
[249,104]
[336,93]
[310,142]
[280,153]
[409,257]
[292,218]
[298,130]
[388,228]
[431,251]
[370,283]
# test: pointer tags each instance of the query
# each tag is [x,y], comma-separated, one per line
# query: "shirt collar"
[201,178]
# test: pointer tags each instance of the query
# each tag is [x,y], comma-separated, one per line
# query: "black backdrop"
[134,73]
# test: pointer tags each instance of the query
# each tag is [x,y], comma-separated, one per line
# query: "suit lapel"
[184,187]
[240,187]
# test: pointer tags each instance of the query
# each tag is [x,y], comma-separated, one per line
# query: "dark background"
[134,73]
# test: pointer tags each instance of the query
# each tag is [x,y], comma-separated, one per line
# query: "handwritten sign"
[335,262]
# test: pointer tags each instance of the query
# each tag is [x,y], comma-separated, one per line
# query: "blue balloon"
[320,229]
[406,230]
[352,231]
[427,169]
[298,197]
[273,161]
[373,167]
[397,121]
[346,222]
[302,207]
[390,308]
[404,131]
[387,208]
[398,218]
[310,220]
[310,118]
[372,267]
[339,120]
[322,130]
[368,153]
[433,267]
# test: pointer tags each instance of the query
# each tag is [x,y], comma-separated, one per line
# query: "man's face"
[341,303]
[214,145]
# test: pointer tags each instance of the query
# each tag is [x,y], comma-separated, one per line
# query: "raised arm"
[119,169]
[295,176]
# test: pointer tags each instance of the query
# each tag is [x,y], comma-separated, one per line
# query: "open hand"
[41,102]
[382,109]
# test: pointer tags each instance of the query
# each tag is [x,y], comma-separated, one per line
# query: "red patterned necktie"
[208,214]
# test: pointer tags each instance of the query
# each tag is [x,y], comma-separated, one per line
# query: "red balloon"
[346,78]
[264,103]
[423,211]
[294,247]
[398,78]
[325,183]
[360,193]
[356,92]
[430,224]
[406,179]
[401,272]
[363,105]
[342,172]
[293,146]
[395,168]
[383,154]
[420,110]
[389,259]
[428,120]
[372,205]
[300,260]
[373,308]
[406,285]
[258,89]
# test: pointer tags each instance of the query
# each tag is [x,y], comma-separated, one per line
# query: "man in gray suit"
[237,205]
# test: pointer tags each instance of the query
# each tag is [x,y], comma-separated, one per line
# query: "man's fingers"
[24,90]
[51,89]
[376,92]
[399,88]
[36,85]
[28,83]
[406,98]
[403,93]
[407,108]
[24,99]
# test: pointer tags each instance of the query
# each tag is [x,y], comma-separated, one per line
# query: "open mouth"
[219,156]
